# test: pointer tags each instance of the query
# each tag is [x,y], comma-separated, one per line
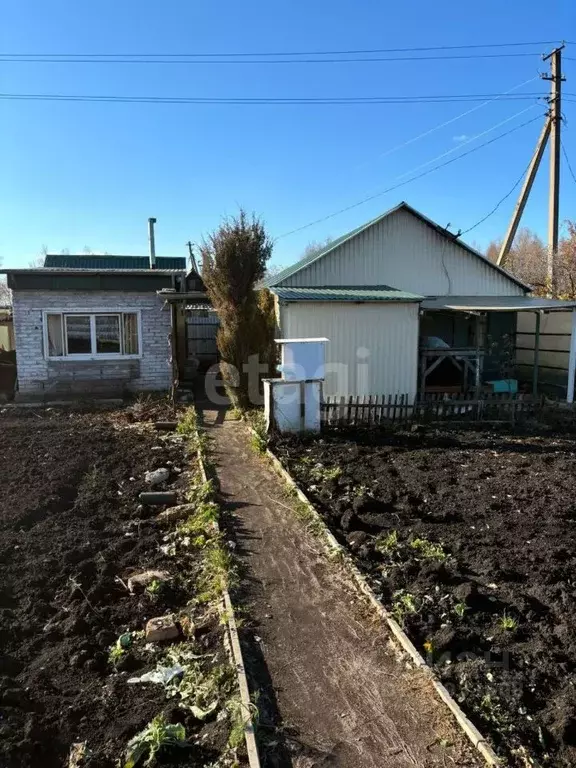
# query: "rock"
[356,539]
[161,629]
[140,581]
[347,519]
[157,476]
[179,512]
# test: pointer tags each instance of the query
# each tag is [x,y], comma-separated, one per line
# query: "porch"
[468,345]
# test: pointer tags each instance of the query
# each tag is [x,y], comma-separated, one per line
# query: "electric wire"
[407,181]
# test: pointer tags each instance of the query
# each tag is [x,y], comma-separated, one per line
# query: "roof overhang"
[497,304]
[66,271]
[345,293]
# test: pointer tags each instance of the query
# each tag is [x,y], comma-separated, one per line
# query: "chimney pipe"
[152,242]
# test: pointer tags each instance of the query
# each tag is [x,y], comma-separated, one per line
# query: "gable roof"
[92,261]
[403,206]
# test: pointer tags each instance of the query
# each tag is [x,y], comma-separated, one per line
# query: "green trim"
[88,282]
[356,293]
[91,261]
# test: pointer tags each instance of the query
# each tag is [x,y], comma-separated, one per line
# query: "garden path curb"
[227,612]
[472,733]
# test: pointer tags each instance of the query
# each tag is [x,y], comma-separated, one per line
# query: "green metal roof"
[91,261]
[309,259]
[344,293]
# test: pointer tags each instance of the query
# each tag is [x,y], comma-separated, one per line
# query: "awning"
[497,304]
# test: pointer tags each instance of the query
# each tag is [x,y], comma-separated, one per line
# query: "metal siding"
[405,253]
[388,331]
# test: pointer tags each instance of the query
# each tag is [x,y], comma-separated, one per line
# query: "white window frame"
[91,313]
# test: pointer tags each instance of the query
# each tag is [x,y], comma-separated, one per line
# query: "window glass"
[107,334]
[78,335]
[131,333]
[55,338]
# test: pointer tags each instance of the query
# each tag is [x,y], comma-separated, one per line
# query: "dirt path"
[340,689]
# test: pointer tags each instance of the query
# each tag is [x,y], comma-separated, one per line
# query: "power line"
[257,101]
[357,60]
[498,204]
[500,97]
[408,181]
[568,161]
[467,141]
[288,53]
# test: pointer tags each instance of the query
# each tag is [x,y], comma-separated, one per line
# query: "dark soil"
[70,525]
[493,607]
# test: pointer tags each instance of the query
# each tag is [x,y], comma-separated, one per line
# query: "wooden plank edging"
[236,652]
[472,733]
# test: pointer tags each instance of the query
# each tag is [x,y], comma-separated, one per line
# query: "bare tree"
[315,246]
[528,256]
[5,293]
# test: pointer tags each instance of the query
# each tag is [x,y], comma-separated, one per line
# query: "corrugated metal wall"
[372,349]
[405,253]
[555,331]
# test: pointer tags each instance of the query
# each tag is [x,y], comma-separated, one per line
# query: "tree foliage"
[527,260]
[234,259]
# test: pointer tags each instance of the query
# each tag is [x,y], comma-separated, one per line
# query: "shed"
[389,295]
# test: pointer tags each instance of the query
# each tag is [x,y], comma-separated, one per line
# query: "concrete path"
[342,693]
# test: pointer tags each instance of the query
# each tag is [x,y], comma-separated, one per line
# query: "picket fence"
[378,409]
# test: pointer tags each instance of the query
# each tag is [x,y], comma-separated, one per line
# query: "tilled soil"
[71,534]
[470,539]
[333,692]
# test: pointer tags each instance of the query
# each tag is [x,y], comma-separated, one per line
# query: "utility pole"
[524,192]
[556,77]
[551,130]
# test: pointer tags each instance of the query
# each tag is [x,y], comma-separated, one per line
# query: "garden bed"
[469,538]
[72,533]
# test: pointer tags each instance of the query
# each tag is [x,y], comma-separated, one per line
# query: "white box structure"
[292,406]
[302,359]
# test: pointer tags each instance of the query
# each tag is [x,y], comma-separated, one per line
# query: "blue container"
[505,385]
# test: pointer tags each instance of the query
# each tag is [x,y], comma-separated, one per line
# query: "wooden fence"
[376,409]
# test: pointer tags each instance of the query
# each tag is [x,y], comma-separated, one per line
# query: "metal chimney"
[152,242]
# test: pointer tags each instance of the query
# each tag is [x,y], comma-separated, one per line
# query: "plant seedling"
[428,549]
[117,651]
[157,735]
[460,609]
[404,604]
[154,588]
[507,623]
[387,544]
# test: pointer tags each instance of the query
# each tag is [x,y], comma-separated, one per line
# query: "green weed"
[428,549]
[157,735]
[507,623]
[460,609]
[403,605]
[321,474]
[386,544]
[120,648]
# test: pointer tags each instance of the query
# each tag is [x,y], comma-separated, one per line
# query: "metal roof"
[345,293]
[85,271]
[93,261]
[497,304]
[307,260]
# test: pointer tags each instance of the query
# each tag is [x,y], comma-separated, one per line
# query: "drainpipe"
[151,223]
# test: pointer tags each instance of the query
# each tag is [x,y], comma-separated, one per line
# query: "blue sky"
[90,174]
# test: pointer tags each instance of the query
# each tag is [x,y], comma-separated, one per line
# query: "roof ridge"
[403,205]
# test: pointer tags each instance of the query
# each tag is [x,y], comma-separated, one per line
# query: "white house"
[406,306]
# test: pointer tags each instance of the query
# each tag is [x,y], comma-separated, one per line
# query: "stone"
[179,512]
[141,580]
[157,476]
[356,539]
[161,629]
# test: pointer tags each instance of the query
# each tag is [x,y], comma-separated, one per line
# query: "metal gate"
[202,325]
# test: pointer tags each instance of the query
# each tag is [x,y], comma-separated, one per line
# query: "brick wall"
[39,377]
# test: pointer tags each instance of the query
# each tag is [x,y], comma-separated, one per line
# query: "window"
[103,334]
